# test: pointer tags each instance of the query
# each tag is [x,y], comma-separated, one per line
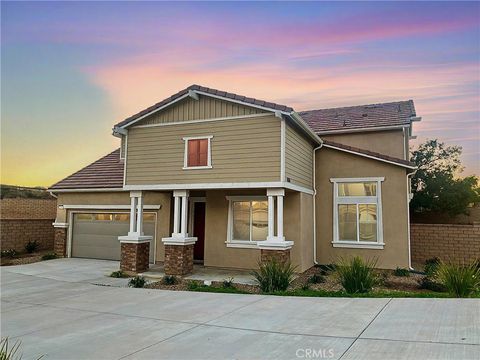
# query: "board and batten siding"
[243,150]
[204,108]
[298,158]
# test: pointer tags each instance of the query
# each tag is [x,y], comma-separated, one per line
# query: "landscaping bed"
[318,281]
[24,258]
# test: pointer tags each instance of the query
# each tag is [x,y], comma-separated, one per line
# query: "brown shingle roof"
[226,95]
[369,153]
[362,116]
[106,172]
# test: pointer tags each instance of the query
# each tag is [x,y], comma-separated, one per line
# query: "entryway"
[198,229]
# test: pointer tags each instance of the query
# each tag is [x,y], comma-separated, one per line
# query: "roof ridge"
[228,96]
[360,105]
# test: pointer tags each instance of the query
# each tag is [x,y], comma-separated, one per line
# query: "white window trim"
[234,243]
[377,200]
[209,157]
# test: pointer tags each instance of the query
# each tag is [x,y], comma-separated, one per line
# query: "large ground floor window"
[247,220]
[357,212]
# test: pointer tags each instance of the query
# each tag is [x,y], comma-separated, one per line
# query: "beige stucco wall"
[243,150]
[298,157]
[390,143]
[122,198]
[336,164]
[297,228]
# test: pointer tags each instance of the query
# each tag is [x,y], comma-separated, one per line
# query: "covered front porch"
[224,228]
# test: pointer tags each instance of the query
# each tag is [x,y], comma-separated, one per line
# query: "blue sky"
[70,70]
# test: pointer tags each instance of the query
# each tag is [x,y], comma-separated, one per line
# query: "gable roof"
[208,91]
[360,117]
[370,154]
[105,173]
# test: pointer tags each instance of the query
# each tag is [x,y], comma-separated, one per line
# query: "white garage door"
[95,235]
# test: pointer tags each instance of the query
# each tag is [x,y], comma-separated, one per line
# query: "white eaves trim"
[212,186]
[154,111]
[108,207]
[369,156]
[241,102]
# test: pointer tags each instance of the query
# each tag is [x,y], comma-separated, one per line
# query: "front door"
[199,230]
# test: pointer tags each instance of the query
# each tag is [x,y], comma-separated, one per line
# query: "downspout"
[314,207]
[408,220]
[51,193]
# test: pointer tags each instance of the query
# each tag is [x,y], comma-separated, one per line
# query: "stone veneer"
[60,242]
[134,257]
[178,259]
[281,256]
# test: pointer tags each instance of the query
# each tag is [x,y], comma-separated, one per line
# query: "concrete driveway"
[56,310]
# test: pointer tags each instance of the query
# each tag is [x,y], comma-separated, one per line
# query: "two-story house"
[226,180]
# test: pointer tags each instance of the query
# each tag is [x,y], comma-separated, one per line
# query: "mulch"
[22,259]
[329,281]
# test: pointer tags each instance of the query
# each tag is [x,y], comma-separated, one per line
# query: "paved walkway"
[55,310]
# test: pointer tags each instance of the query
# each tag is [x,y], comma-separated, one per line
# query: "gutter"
[315,206]
[408,221]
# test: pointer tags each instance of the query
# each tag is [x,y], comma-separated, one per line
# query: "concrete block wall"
[24,220]
[456,243]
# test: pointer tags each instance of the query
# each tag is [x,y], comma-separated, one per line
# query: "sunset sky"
[69,70]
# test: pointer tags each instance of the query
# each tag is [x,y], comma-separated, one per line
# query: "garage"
[95,235]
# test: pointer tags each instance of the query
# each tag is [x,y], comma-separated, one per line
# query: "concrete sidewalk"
[66,316]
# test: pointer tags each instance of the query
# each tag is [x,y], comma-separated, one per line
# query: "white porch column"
[275,242]
[140,215]
[133,205]
[180,234]
[184,215]
[280,236]
[135,233]
[176,214]
[271,217]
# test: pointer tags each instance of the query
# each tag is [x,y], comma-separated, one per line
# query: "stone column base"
[178,259]
[134,256]
[281,256]
[60,242]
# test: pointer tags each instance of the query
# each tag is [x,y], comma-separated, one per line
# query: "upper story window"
[358,213]
[198,152]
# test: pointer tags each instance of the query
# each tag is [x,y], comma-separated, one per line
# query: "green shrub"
[9,353]
[401,272]
[137,282]
[169,280]
[431,266]
[228,283]
[118,274]
[460,280]
[274,276]
[316,279]
[50,256]
[430,283]
[10,253]
[192,285]
[306,287]
[31,246]
[356,275]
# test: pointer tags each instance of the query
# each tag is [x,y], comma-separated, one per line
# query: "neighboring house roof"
[369,154]
[104,173]
[218,93]
[360,117]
